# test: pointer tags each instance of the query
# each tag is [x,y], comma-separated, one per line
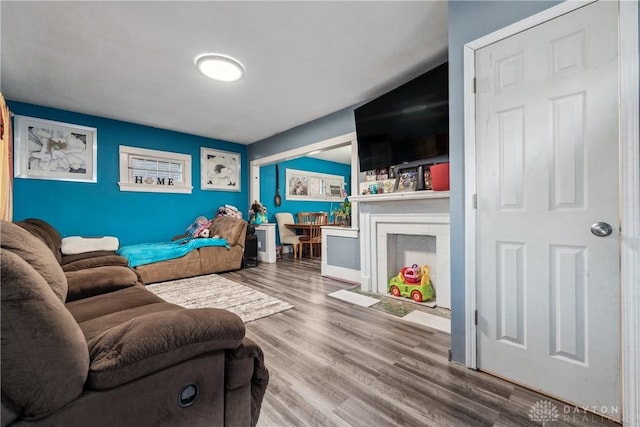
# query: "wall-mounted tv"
[407,124]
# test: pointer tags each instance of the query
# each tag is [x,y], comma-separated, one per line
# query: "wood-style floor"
[336,364]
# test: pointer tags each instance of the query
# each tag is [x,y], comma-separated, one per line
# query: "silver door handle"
[601,229]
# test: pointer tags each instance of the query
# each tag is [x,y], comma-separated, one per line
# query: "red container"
[440,177]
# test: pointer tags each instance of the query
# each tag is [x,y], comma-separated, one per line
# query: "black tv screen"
[407,124]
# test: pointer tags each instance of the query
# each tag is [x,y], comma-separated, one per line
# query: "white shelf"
[394,197]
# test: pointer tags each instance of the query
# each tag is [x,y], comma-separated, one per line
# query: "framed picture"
[219,170]
[314,186]
[297,184]
[427,178]
[382,174]
[45,149]
[407,179]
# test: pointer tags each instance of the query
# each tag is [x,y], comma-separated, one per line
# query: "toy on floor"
[412,282]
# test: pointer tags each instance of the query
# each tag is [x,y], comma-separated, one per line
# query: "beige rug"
[218,292]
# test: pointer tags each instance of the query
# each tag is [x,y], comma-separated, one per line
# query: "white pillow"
[77,245]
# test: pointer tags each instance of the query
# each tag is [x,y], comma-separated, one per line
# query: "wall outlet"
[259,244]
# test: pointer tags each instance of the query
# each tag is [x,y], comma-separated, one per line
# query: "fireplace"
[402,229]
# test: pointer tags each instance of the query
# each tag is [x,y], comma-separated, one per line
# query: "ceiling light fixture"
[220,67]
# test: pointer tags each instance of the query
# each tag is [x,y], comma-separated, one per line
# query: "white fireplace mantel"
[381,216]
[394,197]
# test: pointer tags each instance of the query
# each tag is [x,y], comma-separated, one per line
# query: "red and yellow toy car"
[412,282]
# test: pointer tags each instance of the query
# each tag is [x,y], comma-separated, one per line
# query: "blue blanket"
[147,253]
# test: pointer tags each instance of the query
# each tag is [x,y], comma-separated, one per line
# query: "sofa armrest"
[155,341]
[92,259]
[233,230]
[99,280]
[243,366]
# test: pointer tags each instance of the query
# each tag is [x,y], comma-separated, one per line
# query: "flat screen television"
[407,124]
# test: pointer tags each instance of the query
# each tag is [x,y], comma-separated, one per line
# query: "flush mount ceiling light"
[220,67]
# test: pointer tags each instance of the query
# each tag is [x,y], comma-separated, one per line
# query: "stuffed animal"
[204,233]
[198,227]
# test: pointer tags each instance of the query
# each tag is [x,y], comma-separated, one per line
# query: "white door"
[547,162]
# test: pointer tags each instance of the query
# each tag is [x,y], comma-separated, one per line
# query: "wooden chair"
[287,236]
[313,238]
[304,217]
[320,218]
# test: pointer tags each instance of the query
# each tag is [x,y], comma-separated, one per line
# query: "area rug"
[218,292]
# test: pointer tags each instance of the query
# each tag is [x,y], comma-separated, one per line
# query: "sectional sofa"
[84,343]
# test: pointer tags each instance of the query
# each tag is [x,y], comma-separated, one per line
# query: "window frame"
[125,184]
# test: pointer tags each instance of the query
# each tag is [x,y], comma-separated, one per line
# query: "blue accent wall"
[469,20]
[268,186]
[96,209]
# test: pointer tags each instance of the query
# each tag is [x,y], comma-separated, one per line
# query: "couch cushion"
[233,230]
[98,280]
[22,243]
[186,266]
[92,259]
[155,341]
[45,359]
[217,260]
[97,306]
[46,233]
[94,327]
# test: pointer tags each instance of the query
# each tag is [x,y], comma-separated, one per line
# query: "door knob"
[601,229]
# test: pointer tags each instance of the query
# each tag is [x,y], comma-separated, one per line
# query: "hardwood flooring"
[332,363]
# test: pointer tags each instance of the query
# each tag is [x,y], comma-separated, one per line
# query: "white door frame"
[629,191]
[338,141]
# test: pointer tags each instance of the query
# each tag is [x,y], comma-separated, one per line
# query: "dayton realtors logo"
[544,411]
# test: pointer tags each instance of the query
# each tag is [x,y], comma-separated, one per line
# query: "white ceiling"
[338,155]
[134,61]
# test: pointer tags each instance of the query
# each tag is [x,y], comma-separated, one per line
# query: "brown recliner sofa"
[206,260]
[93,347]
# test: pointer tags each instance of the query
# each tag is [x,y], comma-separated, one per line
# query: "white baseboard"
[341,273]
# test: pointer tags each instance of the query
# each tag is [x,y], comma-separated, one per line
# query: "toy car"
[412,282]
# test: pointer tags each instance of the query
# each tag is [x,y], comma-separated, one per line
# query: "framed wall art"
[46,149]
[219,170]
[314,186]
